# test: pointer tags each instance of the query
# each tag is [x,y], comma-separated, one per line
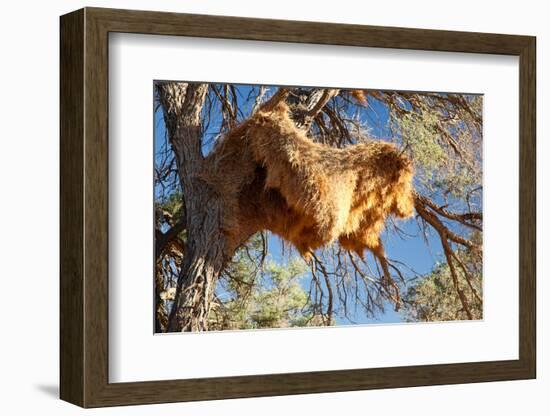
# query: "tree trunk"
[204,257]
[203,262]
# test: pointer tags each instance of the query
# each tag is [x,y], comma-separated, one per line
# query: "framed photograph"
[262,207]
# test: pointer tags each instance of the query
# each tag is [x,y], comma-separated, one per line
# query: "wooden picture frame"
[84,207]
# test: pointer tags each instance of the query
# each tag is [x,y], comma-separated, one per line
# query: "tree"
[441,133]
[278,301]
[435,297]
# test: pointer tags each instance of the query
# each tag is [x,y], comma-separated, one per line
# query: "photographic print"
[298,206]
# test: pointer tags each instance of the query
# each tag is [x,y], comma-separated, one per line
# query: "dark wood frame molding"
[84,208]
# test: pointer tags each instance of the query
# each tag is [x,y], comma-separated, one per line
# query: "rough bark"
[203,261]
[204,258]
[161,316]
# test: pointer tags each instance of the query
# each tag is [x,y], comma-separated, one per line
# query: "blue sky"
[413,250]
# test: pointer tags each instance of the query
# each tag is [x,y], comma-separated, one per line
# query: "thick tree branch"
[445,235]
[317,107]
[258,99]
[436,223]
[275,99]
[162,239]
[461,218]
[306,104]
